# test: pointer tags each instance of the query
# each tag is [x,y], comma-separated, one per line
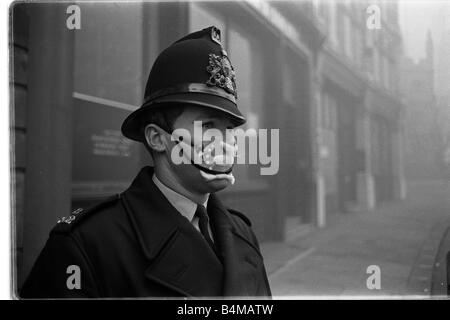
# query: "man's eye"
[208,125]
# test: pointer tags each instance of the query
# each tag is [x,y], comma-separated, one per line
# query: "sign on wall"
[103,159]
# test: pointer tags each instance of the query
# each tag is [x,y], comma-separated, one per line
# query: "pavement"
[401,238]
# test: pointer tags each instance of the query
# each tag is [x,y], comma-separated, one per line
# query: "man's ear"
[155,137]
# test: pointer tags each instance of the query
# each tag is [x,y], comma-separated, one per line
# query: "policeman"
[168,234]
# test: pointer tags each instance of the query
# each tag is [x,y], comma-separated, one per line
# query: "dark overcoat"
[136,244]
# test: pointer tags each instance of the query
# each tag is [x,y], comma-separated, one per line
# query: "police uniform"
[140,243]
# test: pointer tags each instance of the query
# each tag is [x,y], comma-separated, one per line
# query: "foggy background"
[360,91]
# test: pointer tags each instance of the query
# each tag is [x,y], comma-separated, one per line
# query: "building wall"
[359,79]
[19,92]
[42,56]
[424,143]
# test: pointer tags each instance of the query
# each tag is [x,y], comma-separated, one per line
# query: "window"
[246,58]
[332,22]
[108,73]
[348,37]
[341,27]
[108,53]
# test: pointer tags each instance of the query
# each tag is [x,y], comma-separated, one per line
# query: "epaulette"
[66,224]
[240,215]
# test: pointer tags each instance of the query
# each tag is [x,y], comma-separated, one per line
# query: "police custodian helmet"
[193,70]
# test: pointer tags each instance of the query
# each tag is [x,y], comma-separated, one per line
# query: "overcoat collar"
[241,257]
[179,258]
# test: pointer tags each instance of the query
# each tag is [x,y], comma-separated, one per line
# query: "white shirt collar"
[184,205]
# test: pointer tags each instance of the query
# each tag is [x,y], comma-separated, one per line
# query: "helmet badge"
[215,35]
[222,73]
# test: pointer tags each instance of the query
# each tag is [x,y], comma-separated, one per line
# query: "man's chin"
[218,184]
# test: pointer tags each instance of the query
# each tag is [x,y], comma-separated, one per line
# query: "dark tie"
[203,224]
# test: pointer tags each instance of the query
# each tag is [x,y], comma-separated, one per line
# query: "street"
[401,238]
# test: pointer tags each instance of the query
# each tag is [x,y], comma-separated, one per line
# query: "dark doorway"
[347,155]
[382,154]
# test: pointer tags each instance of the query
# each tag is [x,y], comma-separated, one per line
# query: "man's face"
[188,175]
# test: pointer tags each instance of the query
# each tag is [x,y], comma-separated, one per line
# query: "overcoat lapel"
[178,257]
[240,257]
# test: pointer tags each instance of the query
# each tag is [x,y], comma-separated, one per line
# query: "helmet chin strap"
[201,168]
[210,171]
[210,177]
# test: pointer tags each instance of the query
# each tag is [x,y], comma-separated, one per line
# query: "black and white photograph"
[247,149]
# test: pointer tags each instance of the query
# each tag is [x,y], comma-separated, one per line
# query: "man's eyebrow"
[206,118]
